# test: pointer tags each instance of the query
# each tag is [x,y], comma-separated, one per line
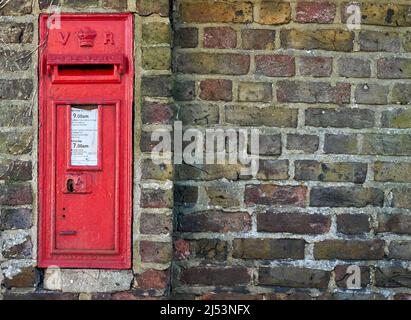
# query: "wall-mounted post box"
[85,151]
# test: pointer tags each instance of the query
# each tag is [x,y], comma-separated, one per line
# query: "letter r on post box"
[85,99]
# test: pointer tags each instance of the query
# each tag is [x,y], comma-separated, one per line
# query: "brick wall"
[333,188]
[153,195]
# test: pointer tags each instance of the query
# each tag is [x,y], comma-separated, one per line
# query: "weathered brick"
[323,39]
[220,37]
[268,194]
[395,223]
[313,92]
[197,114]
[406,41]
[275,66]
[26,278]
[402,296]
[152,280]
[215,221]
[270,145]
[366,93]
[148,7]
[330,171]
[16,89]
[15,116]
[268,249]
[293,223]
[401,198]
[303,142]
[19,218]
[258,39]
[157,113]
[254,92]
[156,86]
[185,196]
[158,252]
[15,170]
[397,118]
[151,170]
[272,170]
[354,68]
[387,144]
[216,90]
[15,60]
[215,276]
[349,250]
[400,250]
[269,116]
[353,223]
[207,172]
[11,32]
[273,12]
[213,63]
[45,4]
[155,198]
[401,93]
[293,277]
[16,8]
[184,90]
[381,14]
[340,144]
[339,118]
[318,12]
[346,197]
[392,277]
[394,68]
[186,37]
[210,11]
[373,41]
[15,194]
[21,250]
[315,66]
[209,249]
[114,4]
[155,223]
[224,195]
[156,33]
[156,58]
[392,172]
[341,276]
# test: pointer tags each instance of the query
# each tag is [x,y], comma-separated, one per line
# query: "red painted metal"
[85,152]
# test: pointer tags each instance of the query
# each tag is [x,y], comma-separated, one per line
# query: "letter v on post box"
[85,141]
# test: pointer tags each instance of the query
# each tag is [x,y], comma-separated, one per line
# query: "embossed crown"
[86,37]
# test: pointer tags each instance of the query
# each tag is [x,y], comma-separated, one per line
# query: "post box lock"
[85,97]
[77,184]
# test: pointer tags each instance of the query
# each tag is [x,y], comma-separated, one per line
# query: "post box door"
[85,98]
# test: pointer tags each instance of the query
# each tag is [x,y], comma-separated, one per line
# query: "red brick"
[293,223]
[158,252]
[152,279]
[316,66]
[317,11]
[216,90]
[220,37]
[275,66]
[268,194]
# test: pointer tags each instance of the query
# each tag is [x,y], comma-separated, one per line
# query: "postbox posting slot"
[97,68]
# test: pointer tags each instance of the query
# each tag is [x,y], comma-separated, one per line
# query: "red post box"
[85,150]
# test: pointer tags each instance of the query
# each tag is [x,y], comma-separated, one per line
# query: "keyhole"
[70,185]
